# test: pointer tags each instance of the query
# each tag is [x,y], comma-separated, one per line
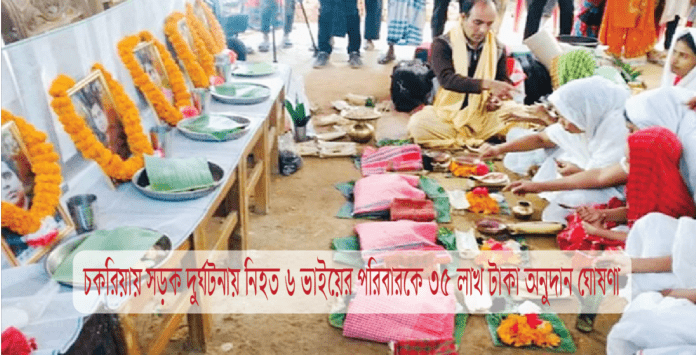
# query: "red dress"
[654,185]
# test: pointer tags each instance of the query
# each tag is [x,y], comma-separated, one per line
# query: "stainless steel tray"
[207,137]
[66,246]
[242,70]
[240,100]
[141,181]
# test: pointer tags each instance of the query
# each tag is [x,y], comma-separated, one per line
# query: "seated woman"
[681,60]
[654,184]
[656,323]
[661,250]
[659,107]
[666,107]
[590,134]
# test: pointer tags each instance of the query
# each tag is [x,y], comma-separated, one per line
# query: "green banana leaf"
[176,175]
[217,126]
[122,238]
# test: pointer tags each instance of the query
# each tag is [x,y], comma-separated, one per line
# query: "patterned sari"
[628,27]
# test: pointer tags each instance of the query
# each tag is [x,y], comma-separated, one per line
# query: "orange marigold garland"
[201,31]
[215,28]
[83,137]
[163,107]
[517,330]
[44,165]
[205,58]
[183,52]
[481,202]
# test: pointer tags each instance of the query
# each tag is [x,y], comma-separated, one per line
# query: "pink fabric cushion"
[378,239]
[391,158]
[376,317]
[376,192]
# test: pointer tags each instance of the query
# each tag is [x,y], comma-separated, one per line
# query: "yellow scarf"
[473,123]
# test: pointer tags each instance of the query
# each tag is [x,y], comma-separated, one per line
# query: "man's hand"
[493,103]
[565,168]
[523,187]
[488,151]
[499,89]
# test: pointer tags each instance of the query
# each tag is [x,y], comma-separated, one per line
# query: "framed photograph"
[18,182]
[93,101]
[186,34]
[188,38]
[150,60]
[200,14]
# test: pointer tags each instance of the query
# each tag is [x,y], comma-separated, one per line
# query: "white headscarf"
[666,107]
[672,9]
[595,105]
[688,81]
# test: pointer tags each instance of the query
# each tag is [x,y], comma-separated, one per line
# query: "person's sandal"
[386,59]
[584,323]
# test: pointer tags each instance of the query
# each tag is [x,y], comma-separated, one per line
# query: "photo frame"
[185,32]
[200,14]
[147,55]
[94,102]
[181,38]
[18,181]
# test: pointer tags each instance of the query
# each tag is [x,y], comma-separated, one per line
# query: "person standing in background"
[289,20]
[437,22]
[336,18]
[536,10]
[405,26]
[373,22]
[628,27]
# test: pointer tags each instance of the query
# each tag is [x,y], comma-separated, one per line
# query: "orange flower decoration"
[482,203]
[163,107]
[205,57]
[200,30]
[188,58]
[516,330]
[91,148]
[215,28]
[462,170]
[44,165]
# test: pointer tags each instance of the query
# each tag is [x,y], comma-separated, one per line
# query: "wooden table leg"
[130,335]
[262,195]
[243,201]
[199,328]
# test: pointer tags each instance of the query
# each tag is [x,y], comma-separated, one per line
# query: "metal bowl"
[240,100]
[66,246]
[581,41]
[207,137]
[361,114]
[141,182]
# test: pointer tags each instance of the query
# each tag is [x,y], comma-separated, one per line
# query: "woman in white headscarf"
[591,133]
[660,319]
[681,61]
[667,107]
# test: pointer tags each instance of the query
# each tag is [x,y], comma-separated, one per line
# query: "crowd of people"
[618,170]
[630,28]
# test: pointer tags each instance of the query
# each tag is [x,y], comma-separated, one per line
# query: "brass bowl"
[523,210]
[361,132]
